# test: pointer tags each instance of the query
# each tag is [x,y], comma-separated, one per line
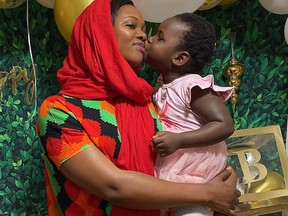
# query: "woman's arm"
[93,171]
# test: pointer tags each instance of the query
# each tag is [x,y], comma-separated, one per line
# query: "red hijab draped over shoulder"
[95,69]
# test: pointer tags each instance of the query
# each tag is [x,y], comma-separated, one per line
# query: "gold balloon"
[10,3]
[273,181]
[227,2]
[208,4]
[65,14]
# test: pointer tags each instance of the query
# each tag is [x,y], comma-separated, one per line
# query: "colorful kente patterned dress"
[75,125]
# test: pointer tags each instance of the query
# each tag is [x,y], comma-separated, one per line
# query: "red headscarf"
[95,69]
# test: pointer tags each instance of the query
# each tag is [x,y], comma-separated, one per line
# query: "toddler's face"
[163,45]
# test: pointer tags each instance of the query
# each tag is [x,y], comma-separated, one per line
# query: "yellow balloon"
[273,181]
[208,4]
[10,3]
[227,2]
[65,14]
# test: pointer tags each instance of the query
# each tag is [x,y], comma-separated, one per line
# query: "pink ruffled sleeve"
[207,82]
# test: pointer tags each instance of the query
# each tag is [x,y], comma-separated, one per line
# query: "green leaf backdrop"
[260,48]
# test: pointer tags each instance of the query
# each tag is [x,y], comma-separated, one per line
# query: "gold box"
[259,158]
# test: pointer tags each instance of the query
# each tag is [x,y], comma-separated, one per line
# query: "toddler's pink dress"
[192,165]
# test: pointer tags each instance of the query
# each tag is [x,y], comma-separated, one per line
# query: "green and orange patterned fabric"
[67,126]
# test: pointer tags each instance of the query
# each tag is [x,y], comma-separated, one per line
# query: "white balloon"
[158,10]
[275,6]
[47,3]
[286,37]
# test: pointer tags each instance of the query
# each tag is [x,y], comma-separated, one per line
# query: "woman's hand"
[223,197]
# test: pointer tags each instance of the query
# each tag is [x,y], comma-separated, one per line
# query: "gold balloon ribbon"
[34,83]
[17,73]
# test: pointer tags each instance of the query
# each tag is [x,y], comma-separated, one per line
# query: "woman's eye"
[131,26]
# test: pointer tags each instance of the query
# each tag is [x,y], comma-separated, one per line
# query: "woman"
[95,133]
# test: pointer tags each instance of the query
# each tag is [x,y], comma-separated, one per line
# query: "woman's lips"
[140,47]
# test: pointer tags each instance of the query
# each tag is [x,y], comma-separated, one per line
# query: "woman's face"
[129,28]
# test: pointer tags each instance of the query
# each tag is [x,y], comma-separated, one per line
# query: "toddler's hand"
[166,142]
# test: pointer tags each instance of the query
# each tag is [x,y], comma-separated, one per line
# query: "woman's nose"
[142,36]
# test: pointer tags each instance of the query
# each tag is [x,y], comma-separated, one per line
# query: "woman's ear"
[180,58]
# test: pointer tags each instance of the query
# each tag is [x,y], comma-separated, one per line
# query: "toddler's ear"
[181,58]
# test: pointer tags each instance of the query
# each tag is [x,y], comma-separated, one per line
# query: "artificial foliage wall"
[260,48]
